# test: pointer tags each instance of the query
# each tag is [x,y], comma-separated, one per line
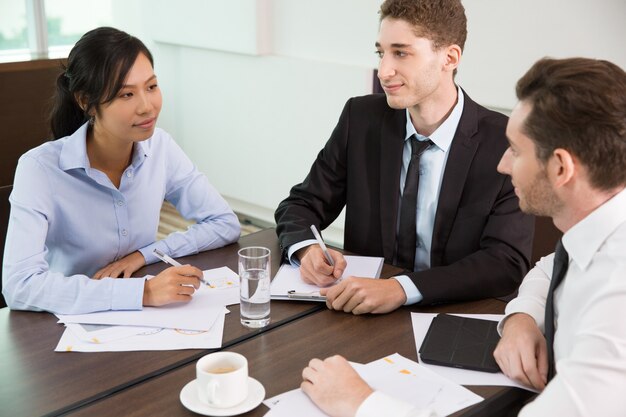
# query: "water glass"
[254,277]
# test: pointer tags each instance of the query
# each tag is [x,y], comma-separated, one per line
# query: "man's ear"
[452,57]
[562,167]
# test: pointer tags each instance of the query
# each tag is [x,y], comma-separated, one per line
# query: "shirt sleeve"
[591,379]
[413,295]
[195,198]
[295,247]
[533,291]
[28,284]
[379,404]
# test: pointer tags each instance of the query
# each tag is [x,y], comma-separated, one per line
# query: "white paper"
[411,382]
[153,339]
[421,323]
[272,402]
[104,333]
[393,375]
[198,314]
[288,277]
[293,403]
[221,278]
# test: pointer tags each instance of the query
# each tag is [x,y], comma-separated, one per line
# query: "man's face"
[410,70]
[528,173]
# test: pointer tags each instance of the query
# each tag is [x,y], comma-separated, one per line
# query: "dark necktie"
[561,262]
[405,255]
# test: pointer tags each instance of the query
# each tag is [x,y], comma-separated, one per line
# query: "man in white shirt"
[567,160]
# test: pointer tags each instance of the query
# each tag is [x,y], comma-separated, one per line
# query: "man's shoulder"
[481,122]
[492,117]
[370,104]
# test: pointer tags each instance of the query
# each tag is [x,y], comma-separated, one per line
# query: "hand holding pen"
[171,261]
[319,265]
[177,284]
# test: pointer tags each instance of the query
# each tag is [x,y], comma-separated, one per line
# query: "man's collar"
[584,239]
[443,135]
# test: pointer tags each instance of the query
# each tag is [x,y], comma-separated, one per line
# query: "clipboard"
[461,342]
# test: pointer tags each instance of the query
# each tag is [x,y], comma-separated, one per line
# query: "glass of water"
[254,277]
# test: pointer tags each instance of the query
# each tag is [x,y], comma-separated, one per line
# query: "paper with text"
[393,375]
[151,339]
[198,314]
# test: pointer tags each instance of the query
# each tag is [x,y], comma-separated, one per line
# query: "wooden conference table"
[36,381]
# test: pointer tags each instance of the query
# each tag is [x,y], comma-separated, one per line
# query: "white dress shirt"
[432,165]
[590,306]
[589,310]
[68,220]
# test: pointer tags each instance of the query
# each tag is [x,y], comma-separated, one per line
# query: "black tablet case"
[461,342]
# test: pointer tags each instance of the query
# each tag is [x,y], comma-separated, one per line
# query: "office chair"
[4,223]
[544,242]
[546,236]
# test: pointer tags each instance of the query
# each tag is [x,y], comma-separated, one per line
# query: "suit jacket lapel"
[392,133]
[462,151]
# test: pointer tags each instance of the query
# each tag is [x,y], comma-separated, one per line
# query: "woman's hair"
[96,69]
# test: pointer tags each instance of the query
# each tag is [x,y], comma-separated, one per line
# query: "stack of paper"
[396,376]
[198,324]
[288,277]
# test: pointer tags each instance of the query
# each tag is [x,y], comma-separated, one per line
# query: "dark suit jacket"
[481,240]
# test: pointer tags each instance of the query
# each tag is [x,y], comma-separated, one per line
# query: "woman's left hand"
[124,267]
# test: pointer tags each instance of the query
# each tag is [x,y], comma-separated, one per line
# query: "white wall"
[507,36]
[254,119]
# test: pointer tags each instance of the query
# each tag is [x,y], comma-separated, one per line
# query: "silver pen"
[166,258]
[320,242]
[313,296]
[169,260]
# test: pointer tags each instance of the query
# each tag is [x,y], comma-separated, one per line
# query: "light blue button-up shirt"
[68,221]
[432,165]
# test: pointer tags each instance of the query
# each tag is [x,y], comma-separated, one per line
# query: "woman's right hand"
[173,285]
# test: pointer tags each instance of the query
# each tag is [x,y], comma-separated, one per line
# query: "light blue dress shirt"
[432,166]
[68,221]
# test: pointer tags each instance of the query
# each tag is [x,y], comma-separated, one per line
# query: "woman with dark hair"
[85,207]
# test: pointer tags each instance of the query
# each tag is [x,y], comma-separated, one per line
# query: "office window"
[13,31]
[68,20]
[48,28]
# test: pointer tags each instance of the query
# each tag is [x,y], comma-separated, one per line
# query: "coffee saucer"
[189,398]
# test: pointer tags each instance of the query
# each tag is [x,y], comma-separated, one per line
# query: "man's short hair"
[441,21]
[579,105]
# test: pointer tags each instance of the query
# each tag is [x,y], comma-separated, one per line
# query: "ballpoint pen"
[329,258]
[313,296]
[168,260]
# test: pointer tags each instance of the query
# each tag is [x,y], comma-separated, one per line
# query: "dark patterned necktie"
[561,262]
[407,237]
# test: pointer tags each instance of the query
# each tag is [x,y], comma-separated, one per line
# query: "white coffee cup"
[222,379]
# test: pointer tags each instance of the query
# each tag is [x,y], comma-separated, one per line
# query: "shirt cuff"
[127,293]
[413,295]
[148,251]
[379,404]
[516,305]
[295,247]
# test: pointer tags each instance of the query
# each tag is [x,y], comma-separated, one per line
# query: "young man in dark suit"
[462,236]
[563,335]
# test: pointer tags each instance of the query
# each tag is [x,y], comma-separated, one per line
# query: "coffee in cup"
[222,379]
